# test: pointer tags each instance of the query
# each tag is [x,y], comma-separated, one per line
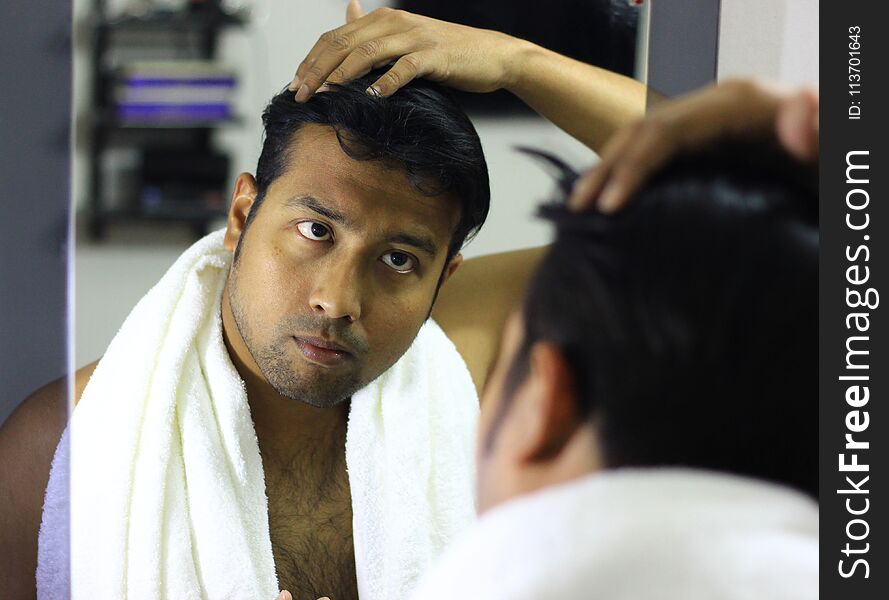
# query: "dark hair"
[420,129]
[690,319]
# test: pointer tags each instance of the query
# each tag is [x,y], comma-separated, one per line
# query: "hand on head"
[731,110]
[416,46]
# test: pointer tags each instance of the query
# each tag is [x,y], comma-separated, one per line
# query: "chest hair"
[310,525]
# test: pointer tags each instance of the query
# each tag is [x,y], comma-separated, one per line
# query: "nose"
[337,293]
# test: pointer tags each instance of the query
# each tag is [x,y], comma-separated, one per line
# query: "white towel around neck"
[632,534]
[167,492]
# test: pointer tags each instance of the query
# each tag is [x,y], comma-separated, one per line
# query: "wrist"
[518,64]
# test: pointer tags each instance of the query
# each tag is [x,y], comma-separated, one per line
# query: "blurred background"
[165,102]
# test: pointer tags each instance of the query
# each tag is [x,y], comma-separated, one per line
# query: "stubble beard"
[324,391]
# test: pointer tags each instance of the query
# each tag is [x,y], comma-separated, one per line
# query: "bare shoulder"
[476,301]
[30,435]
[81,378]
[28,440]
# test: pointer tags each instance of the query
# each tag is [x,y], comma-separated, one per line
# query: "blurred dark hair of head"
[690,318]
[420,130]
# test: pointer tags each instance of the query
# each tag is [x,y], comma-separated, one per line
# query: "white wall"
[771,39]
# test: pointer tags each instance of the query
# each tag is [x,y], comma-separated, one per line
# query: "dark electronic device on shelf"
[182,183]
[159,91]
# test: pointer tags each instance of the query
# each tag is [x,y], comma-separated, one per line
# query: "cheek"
[482,475]
[493,464]
[490,471]
[393,319]
[271,283]
[391,325]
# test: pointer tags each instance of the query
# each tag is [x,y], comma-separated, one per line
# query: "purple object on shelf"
[174,112]
[137,82]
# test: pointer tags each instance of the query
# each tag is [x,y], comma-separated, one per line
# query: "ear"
[243,197]
[455,263]
[548,404]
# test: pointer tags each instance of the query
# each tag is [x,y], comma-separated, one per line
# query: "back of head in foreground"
[689,320]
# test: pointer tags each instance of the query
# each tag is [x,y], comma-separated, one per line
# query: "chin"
[321,402]
[320,392]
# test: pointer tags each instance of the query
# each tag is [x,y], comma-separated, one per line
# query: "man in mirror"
[208,448]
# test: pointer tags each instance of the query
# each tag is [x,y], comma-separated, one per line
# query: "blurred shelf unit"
[159,94]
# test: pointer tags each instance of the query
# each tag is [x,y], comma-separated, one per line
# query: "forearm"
[588,102]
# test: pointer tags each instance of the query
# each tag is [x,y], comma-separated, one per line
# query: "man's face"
[337,271]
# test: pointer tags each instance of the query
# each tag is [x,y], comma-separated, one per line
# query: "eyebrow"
[420,242]
[315,205]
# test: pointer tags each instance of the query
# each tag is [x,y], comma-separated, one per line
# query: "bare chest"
[310,525]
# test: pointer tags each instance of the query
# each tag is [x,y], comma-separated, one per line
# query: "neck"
[284,426]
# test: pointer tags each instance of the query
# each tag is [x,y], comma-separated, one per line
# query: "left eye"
[400,261]
[314,230]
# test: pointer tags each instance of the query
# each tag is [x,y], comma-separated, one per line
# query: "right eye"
[313,230]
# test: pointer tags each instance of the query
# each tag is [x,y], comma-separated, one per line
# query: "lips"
[322,352]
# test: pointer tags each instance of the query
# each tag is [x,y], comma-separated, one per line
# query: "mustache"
[337,331]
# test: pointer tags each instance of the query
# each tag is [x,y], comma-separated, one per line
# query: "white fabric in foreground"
[167,491]
[669,534]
